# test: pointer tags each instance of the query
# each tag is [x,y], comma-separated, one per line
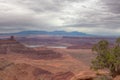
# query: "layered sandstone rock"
[8,46]
[23,71]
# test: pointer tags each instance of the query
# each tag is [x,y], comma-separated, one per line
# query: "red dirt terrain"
[22,71]
[10,46]
[18,62]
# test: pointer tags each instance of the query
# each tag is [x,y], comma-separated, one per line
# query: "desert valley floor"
[18,62]
[72,63]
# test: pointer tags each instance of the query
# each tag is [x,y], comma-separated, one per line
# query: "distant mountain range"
[54,33]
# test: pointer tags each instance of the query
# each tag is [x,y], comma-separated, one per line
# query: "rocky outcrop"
[4,64]
[12,46]
[85,75]
[23,71]
[117,78]
[38,71]
[63,76]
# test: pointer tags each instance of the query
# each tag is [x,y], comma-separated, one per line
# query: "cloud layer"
[90,16]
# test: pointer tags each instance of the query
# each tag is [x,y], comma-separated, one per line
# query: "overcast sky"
[89,16]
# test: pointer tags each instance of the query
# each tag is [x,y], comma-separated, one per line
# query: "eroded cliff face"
[10,70]
[22,71]
[18,62]
[9,46]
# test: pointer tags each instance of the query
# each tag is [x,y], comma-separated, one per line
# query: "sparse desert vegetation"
[19,62]
[107,57]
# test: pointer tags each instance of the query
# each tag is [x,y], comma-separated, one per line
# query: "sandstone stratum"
[10,45]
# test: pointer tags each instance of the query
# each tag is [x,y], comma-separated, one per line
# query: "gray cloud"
[113,5]
[87,16]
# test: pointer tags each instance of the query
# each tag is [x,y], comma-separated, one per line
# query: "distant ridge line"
[54,33]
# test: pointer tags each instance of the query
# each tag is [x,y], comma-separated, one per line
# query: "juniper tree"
[107,57]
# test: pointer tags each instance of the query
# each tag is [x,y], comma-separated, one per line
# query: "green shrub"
[107,57]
